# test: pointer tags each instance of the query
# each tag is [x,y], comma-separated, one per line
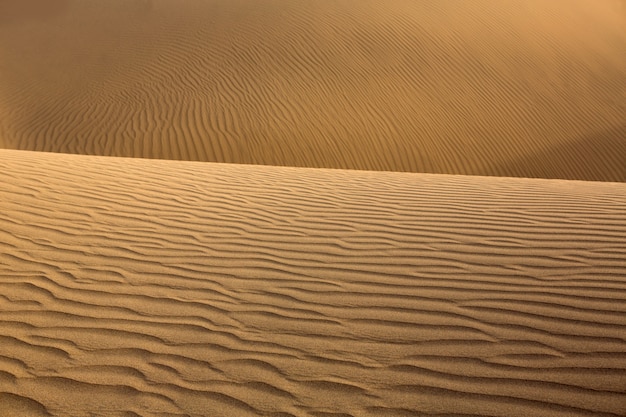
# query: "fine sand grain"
[532,88]
[135,287]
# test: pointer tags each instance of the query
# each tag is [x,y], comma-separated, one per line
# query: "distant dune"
[134,287]
[528,88]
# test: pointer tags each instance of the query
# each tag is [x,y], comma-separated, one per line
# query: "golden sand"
[144,287]
[529,88]
[139,278]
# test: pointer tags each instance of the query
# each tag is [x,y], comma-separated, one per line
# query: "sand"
[174,242]
[529,88]
[136,287]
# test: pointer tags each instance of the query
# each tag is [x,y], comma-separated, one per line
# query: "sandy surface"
[134,287]
[156,286]
[530,88]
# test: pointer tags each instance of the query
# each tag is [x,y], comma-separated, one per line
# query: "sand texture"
[135,287]
[531,88]
[139,277]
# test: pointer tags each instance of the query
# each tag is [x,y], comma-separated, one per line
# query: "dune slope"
[529,88]
[134,287]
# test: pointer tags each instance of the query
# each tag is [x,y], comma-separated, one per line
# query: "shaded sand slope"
[459,86]
[135,287]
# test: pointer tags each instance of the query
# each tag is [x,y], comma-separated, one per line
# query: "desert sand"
[136,287]
[308,208]
[529,88]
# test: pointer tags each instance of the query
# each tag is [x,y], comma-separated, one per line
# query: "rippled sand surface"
[173,242]
[528,88]
[133,287]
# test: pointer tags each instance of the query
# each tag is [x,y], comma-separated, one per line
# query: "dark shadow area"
[597,157]
[16,11]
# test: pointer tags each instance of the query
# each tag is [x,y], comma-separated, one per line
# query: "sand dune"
[134,287]
[150,287]
[512,88]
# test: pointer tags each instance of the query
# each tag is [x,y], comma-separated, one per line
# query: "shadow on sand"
[597,157]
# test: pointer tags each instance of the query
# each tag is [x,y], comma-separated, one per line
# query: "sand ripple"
[529,88]
[158,288]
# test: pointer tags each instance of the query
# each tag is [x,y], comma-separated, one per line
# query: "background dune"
[514,88]
[134,287]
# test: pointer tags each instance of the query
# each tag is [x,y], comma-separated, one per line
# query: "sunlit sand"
[173,242]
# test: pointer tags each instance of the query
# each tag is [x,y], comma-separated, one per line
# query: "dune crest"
[135,287]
